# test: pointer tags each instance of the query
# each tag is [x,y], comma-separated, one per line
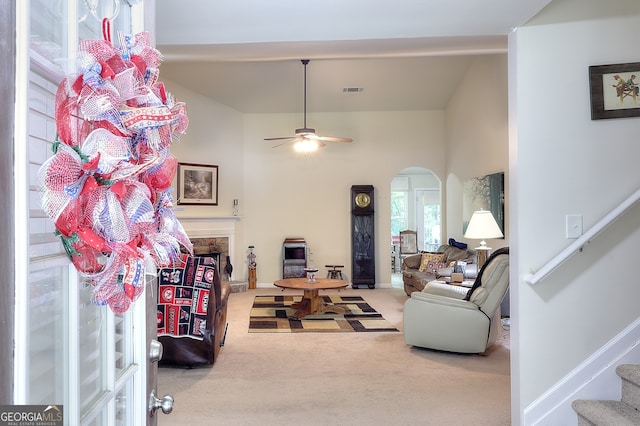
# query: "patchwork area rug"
[273,314]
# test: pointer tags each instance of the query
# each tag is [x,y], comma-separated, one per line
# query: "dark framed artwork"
[197,184]
[614,90]
[483,193]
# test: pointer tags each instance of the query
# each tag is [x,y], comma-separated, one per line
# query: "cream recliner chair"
[457,325]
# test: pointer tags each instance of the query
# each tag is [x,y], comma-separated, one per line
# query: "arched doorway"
[416,204]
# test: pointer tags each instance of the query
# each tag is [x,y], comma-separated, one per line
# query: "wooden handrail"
[584,239]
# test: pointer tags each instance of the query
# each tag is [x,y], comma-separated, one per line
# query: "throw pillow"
[412,262]
[430,261]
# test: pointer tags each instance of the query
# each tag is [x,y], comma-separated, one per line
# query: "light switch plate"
[574,226]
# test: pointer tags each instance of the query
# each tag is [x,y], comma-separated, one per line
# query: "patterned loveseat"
[415,280]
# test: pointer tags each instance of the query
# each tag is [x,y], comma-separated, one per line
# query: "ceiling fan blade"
[282,143]
[281,138]
[334,139]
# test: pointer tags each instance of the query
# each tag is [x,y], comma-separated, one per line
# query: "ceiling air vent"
[352,90]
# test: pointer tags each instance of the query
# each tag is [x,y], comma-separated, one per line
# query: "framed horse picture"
[614,90]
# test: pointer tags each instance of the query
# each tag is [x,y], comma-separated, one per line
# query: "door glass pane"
[120,343]
[123,342]
[428,218]
[48,20]
[92,12]
[92,342]
[46,337]
[432,237]
[123,411]
[102,419]
[398,214]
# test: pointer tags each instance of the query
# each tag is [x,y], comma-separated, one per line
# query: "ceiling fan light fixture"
[306,145]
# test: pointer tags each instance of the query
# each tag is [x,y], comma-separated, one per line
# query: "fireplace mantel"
[211,227]
[200,226]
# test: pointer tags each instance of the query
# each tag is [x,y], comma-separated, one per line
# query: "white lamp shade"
[482,225]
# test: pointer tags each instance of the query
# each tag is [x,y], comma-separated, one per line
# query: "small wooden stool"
[335,273]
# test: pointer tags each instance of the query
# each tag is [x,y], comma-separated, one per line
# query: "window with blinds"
[76,353]
[45,328]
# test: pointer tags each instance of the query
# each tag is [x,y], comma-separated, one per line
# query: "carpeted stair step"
[630,375]
[605,413]
[614,413]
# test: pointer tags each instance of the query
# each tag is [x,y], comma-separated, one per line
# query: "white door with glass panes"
[70,351]
[428,216]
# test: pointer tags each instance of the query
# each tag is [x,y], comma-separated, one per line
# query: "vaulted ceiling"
[366,55]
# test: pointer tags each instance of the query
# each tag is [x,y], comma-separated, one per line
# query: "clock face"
[362,200]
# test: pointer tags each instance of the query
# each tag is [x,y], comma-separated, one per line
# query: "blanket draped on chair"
[184,297]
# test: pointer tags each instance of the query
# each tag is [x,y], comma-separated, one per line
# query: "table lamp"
[482,225]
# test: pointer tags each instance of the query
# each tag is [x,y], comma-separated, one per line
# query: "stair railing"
[583,240]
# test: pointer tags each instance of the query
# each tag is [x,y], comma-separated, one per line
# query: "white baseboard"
[595,378]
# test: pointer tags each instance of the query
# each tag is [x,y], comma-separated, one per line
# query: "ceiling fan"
[305,138]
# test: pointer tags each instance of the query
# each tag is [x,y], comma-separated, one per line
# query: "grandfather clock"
[363,266]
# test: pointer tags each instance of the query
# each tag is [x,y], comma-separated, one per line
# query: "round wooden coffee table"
[311,302]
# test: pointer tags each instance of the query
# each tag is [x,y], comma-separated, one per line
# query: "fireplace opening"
[215,247]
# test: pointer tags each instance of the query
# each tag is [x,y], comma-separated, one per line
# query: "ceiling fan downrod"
[305,129]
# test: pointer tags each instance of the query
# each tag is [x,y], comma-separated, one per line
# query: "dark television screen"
[294,253]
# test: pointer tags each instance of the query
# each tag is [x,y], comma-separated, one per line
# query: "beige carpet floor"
[338,378]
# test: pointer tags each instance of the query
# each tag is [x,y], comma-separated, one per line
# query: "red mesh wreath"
[107,185]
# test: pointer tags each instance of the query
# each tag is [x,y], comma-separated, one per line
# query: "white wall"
[477,138]
[214,137]
[561,163]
